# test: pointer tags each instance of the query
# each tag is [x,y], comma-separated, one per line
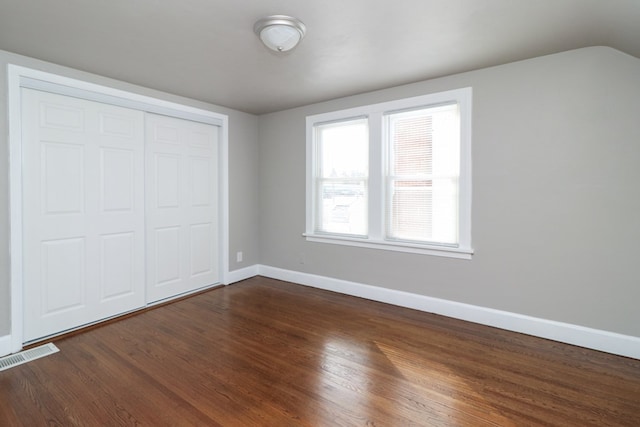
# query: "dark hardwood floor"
[269,353]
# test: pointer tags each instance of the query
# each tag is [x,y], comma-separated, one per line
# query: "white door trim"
[19,76]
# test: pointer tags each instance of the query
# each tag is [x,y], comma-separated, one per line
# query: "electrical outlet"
[239,257]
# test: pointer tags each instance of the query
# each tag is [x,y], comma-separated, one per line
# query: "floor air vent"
[27,356]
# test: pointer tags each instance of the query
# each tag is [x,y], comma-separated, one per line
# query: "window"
[394,176]
[341,177]
[423,168]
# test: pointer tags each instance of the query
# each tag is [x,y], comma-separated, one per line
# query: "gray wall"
[556,194]
[243,167]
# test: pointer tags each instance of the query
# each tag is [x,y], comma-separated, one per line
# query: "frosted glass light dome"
[280,33]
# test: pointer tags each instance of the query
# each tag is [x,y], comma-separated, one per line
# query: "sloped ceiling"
[206,49]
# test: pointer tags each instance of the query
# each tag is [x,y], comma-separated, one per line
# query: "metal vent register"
[27,356]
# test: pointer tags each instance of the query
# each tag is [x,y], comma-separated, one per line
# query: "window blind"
[423,173]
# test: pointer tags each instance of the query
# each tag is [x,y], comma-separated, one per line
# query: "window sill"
[434,250]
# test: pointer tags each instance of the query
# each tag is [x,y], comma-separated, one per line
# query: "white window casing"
[394,187]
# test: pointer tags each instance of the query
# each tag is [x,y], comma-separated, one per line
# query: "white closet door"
[83,193]
[182,206]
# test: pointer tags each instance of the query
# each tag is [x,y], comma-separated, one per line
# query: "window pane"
[413,145]
[423,174]
[414,223]
[341,177]
[344,149]
[343,207]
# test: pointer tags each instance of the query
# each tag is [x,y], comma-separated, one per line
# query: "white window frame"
[375,114]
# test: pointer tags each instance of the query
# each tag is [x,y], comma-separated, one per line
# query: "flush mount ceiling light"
[280,33]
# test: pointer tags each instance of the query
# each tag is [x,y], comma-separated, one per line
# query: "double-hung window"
[395,175]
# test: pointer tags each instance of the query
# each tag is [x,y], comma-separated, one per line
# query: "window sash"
[417,226]
[341,193]
[341,206]
[422,174]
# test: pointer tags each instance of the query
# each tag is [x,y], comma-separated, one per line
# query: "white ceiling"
[206,49]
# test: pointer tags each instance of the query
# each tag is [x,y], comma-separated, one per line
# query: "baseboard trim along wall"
[610,342]
[242,274]
[5,345]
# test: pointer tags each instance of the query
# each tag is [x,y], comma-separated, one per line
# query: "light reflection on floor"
[349,369]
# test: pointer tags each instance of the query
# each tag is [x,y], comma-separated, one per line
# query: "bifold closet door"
[83,212]
[181,206]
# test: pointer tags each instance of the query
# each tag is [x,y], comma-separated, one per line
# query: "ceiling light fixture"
[280,33]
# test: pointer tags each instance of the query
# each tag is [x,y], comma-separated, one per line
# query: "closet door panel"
[63,276]
[117,169]
[118,266]
[182,206]
[83,212]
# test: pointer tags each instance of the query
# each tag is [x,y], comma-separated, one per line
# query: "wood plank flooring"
[269,353]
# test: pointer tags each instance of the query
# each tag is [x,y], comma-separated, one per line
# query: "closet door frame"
[19,77]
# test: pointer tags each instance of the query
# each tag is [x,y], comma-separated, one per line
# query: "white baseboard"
[5,345]
[242,274]
[610,342]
